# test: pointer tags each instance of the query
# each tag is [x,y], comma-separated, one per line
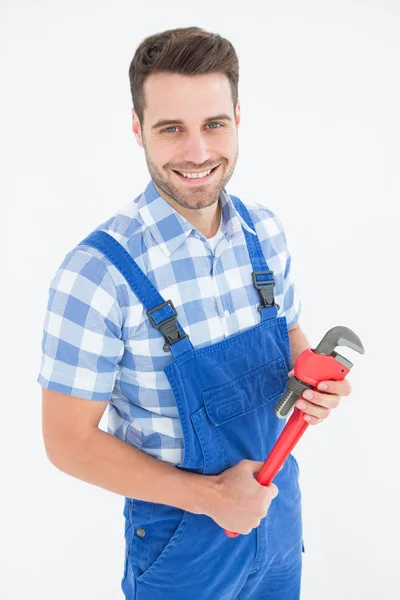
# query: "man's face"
[189,127]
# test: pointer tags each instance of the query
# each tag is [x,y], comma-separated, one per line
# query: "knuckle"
[267,498]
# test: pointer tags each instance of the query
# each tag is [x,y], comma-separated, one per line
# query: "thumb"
[255,465]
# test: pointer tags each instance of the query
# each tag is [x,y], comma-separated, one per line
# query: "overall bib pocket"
[250,397]
[246,393]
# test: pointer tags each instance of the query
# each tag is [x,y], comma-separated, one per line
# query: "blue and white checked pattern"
[97,340]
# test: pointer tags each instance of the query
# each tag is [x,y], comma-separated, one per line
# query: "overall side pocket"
[156,529]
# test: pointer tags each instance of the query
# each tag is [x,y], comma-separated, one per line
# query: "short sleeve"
[274,244]
[82,334]
[291,303]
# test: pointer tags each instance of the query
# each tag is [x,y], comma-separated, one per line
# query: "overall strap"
[162,315]
[263,278]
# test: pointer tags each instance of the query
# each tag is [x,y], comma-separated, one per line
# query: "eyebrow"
[165,122]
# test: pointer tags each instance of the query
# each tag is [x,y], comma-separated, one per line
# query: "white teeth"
[195,175]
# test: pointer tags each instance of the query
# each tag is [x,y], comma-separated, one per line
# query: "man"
[180,315]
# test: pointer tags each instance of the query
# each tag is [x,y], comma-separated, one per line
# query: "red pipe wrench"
[311,367]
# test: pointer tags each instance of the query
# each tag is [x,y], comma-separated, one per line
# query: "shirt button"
[226,312]
[140,532]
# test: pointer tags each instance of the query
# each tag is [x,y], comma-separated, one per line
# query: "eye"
[168,128]
[212,125]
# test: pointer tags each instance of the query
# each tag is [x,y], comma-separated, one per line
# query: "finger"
[274,490]
[326,400]
[313,420]
[340,388]
[308,408]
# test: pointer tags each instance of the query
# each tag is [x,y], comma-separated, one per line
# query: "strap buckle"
[265,289]
[168,327]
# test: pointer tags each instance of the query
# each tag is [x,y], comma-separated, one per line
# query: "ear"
[136,128]
[237,113]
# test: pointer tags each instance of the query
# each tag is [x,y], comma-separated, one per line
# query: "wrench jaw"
[339,336]
[294,389]
[285,404]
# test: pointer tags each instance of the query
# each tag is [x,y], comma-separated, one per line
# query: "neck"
[206,220]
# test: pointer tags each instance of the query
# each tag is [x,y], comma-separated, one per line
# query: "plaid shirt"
[97,340]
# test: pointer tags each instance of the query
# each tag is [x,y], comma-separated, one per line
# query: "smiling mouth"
[194,178]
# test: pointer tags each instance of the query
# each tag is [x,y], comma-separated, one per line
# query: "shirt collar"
[170,229]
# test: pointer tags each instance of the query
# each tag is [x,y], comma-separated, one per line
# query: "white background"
[319,145]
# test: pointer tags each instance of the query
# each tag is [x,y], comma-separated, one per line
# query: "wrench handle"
[291,433]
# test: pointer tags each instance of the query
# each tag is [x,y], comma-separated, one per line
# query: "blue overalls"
[225,394]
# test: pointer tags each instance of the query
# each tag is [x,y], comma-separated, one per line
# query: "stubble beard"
[199,197]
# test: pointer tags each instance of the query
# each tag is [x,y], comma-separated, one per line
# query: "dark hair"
[187,51]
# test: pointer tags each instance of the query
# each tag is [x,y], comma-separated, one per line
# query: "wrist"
[205,494]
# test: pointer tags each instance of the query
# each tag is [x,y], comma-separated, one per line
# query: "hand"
[240,502]
[318,407]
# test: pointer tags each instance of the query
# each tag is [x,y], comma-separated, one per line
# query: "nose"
[195,150]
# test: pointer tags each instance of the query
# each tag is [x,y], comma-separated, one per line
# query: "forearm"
[104,460]
[107,462]
[298,343]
